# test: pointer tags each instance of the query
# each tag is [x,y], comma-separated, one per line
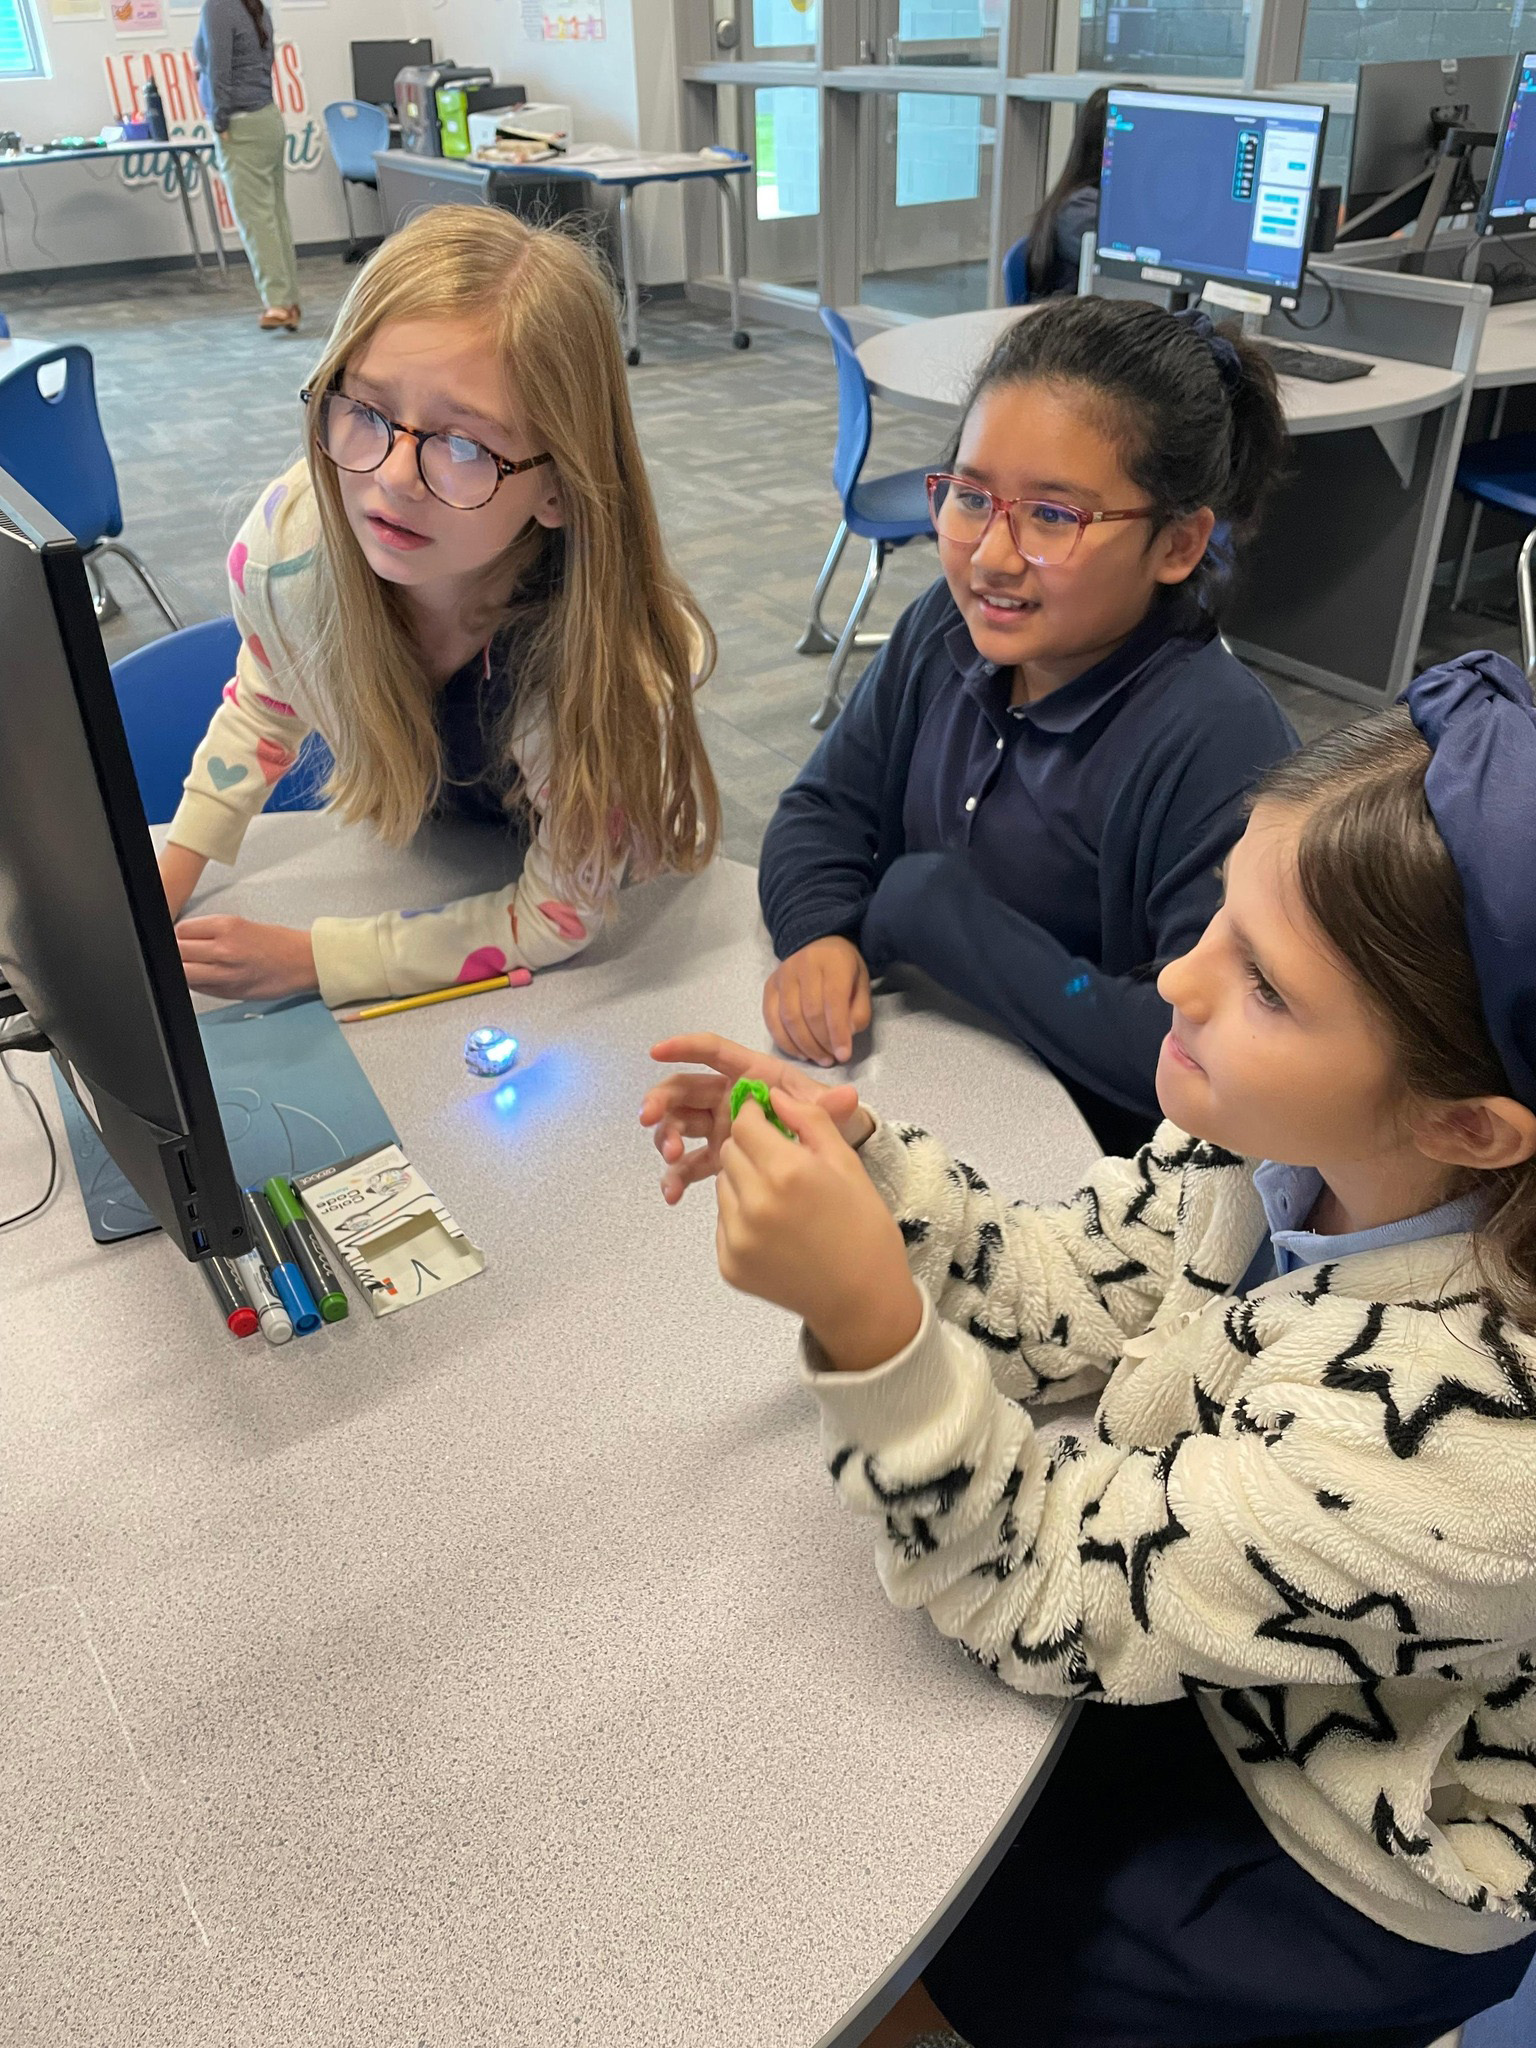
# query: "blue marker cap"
[293,1292]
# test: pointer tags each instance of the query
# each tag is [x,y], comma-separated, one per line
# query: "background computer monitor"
[86,941]
[1197,188]
[375,66]
[1395,106]
[1509,197]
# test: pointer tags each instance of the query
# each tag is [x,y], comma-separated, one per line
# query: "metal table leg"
[205,173]
[180,163]
[631,281]
[734,234]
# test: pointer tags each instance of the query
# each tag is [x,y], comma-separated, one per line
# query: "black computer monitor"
[1401,112]
[1509,196]
[375,67]
[87,947]
[1198,188]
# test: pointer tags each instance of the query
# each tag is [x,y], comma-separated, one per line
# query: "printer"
[489,133]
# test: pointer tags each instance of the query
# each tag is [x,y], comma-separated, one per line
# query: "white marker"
[275,1325]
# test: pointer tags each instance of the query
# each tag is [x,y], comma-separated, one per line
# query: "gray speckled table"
[504,1672]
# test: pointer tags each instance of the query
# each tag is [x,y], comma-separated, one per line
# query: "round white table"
[505,1671]
[927,366]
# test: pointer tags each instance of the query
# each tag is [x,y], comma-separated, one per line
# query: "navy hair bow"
[1477,715]
[1229,364]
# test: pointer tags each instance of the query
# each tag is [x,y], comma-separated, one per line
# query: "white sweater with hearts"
[1314,1507]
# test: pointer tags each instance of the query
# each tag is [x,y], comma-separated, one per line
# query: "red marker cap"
[245,1322]
[224,1286]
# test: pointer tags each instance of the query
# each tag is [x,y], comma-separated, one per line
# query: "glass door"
[936,31]
[928,164]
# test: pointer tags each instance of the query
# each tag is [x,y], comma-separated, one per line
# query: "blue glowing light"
[490,1051]
[505,1097]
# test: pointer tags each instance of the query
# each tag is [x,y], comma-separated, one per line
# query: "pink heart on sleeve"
[239,555]
[253,641]
[230,694]
[484,962]
[275,760]
[565,921]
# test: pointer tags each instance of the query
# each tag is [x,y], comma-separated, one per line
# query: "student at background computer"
[462,588]
[1071,207]
[1034,783]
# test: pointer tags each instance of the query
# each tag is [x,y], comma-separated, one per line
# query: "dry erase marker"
[273,1317]
[283,1199]
[285,1275]
[224,1285]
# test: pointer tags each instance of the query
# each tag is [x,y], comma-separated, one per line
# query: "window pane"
[944,20]
[927,167]
[1172,37]
[788,152]
[783,24]
[18,59]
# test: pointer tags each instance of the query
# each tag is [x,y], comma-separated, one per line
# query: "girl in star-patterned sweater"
[462,589]
[1292,1564]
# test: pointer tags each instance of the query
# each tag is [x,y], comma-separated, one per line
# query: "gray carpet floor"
[201,409]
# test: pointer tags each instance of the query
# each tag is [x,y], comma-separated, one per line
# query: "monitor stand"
[1446,185]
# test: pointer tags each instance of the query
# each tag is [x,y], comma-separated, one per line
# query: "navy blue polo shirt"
[1045,861]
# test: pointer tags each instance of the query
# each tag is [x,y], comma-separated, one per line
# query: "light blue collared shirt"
[1289,1195]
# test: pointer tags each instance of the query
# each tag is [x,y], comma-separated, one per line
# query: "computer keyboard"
[1316,365]
[1511,291]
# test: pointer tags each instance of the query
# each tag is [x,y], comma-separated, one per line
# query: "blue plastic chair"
[1501,473]
[1016,273]
[167,692]
[52,443]
[5,328]
[1510,2025]
[355,130]
[887,512]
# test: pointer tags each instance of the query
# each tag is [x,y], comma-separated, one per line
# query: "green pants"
[252,160]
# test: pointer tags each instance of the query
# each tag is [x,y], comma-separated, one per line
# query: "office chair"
[52,443]
[1501,473]
[1510,2025]
[167,692]
[355,131]
[887,512]
[1016,273]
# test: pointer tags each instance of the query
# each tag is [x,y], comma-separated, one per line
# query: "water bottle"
[154,113]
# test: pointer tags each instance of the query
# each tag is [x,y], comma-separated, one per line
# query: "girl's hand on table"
[180,872]
[802,1226]
[816,1001]
[230,956]
[698,1106]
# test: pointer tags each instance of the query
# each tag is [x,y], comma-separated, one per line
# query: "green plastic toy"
[757,1091]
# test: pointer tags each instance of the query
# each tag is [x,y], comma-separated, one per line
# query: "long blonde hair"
[620,645]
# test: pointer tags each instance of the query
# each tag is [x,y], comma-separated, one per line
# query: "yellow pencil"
[518,978]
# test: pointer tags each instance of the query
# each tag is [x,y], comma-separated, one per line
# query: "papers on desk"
[606,165]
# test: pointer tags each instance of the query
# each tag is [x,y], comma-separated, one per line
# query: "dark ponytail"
[1080,171]
[258,13]
[1195,412]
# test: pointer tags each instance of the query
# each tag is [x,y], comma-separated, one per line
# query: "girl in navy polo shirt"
[1034,783]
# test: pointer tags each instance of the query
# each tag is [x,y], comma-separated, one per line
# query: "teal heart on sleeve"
[222,776]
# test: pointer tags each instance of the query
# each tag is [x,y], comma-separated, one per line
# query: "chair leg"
[1526,598]
[103,602]
[354,253]
[816,639]
[139,568]
[832,702]
[1468,549]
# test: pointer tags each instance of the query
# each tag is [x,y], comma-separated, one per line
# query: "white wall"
[90,213]
[622,90]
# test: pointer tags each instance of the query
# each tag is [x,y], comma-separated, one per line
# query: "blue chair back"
[355,131]
[167,692]
[1016,273]
[855,415]
[51,442]
[5,328]
[1511,2025]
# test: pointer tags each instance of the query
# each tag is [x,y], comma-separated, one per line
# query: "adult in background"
[233,53]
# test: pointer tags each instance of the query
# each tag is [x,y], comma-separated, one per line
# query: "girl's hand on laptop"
[697,1106]
[230,956]
[816,1001]
[802,1226]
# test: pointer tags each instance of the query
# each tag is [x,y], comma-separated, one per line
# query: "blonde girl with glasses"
[461,588]
[1033,784]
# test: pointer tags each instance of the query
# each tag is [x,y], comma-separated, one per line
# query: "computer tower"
[416,90]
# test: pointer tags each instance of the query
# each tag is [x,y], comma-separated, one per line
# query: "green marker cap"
[758,1092]
[284,1201]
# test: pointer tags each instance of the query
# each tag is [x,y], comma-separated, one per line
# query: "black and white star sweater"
[1314,1507]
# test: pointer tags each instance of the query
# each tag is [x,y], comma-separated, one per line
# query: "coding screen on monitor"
[1513,183]
[1220,188]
